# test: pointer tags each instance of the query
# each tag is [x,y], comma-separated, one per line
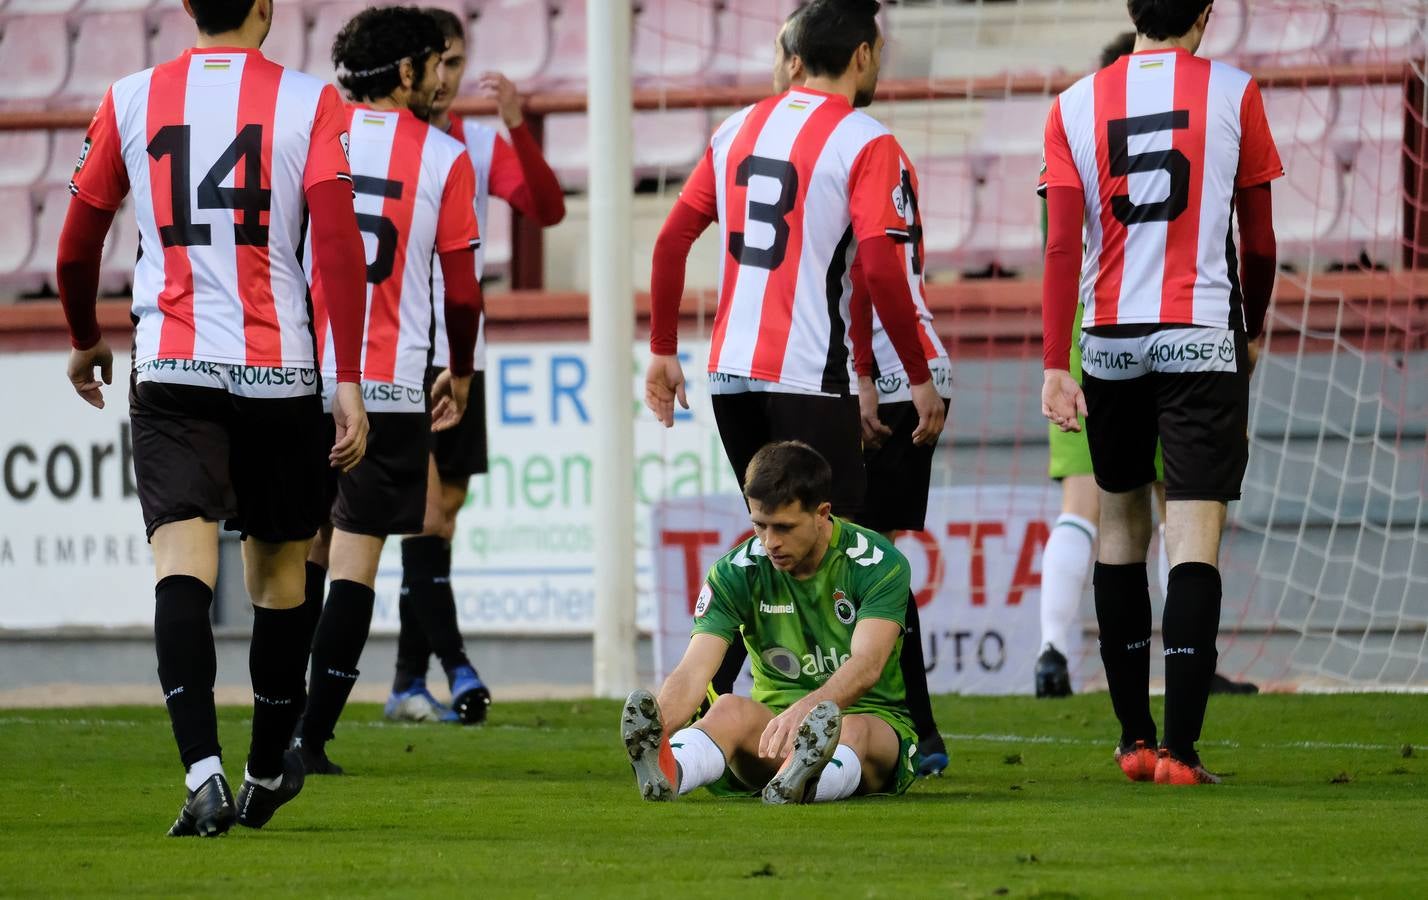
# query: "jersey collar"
[247,51]
[836,98]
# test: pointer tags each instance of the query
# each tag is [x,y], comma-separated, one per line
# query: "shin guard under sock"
[341,635]
[188,664]
[426,568]
[1189,628]
[1123,614]
[277,660]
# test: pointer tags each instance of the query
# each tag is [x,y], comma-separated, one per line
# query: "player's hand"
[664,383]
[931,413]
[494,84]
[349,414]
[1062,400]
[81,372]
[777,739]
[874,431]
[1252,356]
[449,394]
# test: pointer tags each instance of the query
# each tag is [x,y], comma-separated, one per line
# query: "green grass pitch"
[1326,795]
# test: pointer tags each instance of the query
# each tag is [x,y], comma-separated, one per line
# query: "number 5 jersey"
[218,147]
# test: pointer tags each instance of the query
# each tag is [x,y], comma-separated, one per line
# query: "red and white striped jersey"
[885,356]
[416,198]
[218,147]
[480,141]
[1159,142]
[795,182]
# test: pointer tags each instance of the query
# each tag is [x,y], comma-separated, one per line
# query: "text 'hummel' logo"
[782,609]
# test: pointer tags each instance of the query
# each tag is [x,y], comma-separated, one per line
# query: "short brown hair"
[449,22]
[786,472]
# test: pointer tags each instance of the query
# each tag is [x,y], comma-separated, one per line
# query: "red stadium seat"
[171,33]
[947,202]
[1372,220]
[97,6]
[1373,114]
[34,55]
[1008,227]
[512,37]
[1380,35]
[121,251]
[674,39]
[567,137]
[53,204]
[287,43]
[107,46]
[669,142]
[17,230]
[1300,116]
[1227,28]
[496,238]
[746,30]
[1016,126]
[24,156]
[1299,34]
[39,7]
[64,153]
[565,69]
[327,21]
[1307,201]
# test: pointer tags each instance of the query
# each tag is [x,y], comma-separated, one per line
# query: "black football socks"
[1123,614]
[336,649]
[188,664]
[426,579]
[1189,628]
[413,649]
[277,661]
[914,675]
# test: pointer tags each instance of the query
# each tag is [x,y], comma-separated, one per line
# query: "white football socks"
[1164,565]
[201,771]
[700,760]
[271,784]
[1065,565]
[840,778]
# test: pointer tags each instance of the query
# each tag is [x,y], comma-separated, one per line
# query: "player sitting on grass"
[820,605]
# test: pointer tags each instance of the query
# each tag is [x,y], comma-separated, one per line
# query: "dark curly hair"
[369,50]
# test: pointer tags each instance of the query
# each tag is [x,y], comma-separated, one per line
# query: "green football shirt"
[800,631]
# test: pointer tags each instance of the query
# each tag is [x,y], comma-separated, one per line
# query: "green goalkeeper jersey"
[800,631]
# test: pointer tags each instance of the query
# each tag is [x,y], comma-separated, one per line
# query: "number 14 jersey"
[1159,142]
[795,182]
[218,147]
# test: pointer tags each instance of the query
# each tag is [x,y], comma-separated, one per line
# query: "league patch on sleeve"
[83,153]
[706,596]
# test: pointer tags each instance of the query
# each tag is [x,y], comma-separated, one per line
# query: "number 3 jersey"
[795,182]
[416,196]
[1159,142]
[218,147]
[799,632]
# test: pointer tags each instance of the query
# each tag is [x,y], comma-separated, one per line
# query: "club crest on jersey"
[706,595]
[843,607]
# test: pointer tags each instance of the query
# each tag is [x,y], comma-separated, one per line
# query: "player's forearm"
[336,243]
[77,269]
[464,303]
[679,698]
[852,680]
[542,199]
[671,254]
[1258,254]
[885,279]
[1065,211]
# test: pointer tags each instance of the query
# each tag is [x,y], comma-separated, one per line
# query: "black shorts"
[899,473]
[257,464]
[461,451]
[1187,388]
[830,425]
[386,493]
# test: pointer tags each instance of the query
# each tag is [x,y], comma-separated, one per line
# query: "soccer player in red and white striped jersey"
[1155,155]
[799,184]
[514,171]
[226,154]
[416,201]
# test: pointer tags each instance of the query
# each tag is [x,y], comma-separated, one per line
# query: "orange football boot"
[1137,762]
[1169,770]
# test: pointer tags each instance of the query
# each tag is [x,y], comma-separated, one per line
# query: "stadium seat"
[17,230]
[97,6]
[1307,201]
[1300,116]
[64,153]
[171,33]
[745,31]
[1372,220]
[34,55]
[1373,114]
[1007,230]
[674,39]
[565,68]
[287,43]
[669,142]
[39,7]
[107,46]
[1015,126]
[1227,28]
[947,202]
[509,36]
[326,22]
[496,238]
[121,251]
[567,137]
[53,204]
[24,156]
[1301,34]
[1380,36]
